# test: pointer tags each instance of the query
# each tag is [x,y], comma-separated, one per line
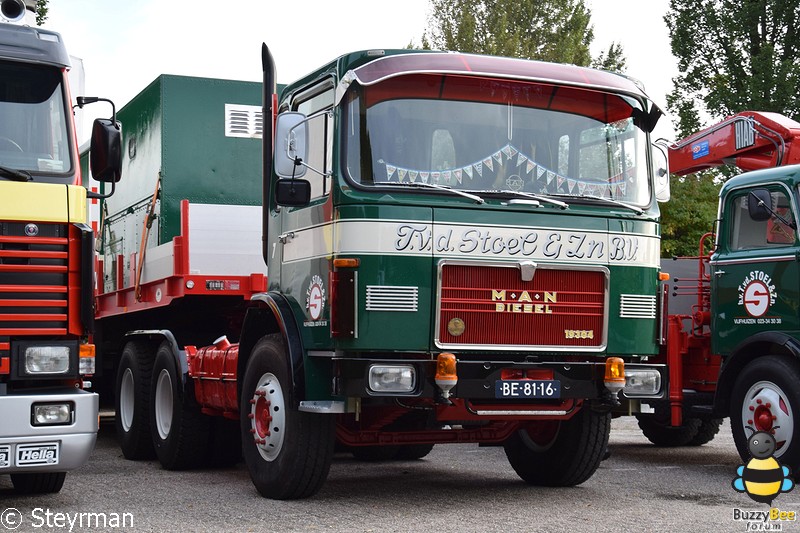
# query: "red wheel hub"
[762,417]
[263,417]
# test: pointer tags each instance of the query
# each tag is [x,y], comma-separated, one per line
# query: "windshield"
[477,134]
[33,121]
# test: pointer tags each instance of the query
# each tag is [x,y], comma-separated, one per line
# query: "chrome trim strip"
[753,260]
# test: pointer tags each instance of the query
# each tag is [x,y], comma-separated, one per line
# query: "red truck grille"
[493,306]
[34,273]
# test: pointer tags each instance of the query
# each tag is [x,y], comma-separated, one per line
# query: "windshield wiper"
[537,197]
[474,197]
[608,201]
[15,175]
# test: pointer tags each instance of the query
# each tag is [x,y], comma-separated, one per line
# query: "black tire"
[180,431]
[658,431]
[411,452]
[375,454]
[132,401]
[769,385]
[568,456]
[289,453]
[39,482]
[709,427]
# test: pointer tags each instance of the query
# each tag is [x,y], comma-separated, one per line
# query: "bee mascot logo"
[762,478]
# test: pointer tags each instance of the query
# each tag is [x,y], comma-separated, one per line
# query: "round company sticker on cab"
[756,295]
[315,302]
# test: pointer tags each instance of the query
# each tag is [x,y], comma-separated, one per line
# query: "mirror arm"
[96,195]
[84,100]
[298,162]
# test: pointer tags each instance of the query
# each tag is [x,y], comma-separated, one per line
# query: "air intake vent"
[389,298]
[243,121]
[637,306]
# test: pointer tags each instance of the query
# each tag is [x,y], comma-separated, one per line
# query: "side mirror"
[291,143]
[292,192]
[759,205]
[105,157]
[661,172]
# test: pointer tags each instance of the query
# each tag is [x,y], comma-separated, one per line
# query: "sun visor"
[456,63]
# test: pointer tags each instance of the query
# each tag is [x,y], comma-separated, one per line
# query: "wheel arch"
[154,337]
[273,315]
[759,345]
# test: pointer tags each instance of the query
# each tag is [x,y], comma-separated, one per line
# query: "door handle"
[286,237]
[719,272]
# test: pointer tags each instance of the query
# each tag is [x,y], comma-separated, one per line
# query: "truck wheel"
[410,452]
[765,397]
[658,431]
[180,431]
[38,483]
[560,454]
[132,401]
[709,427]
[288,452]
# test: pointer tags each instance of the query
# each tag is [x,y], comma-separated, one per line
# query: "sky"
[125,45]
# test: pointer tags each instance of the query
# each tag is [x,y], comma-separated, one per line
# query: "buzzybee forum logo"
[762,478]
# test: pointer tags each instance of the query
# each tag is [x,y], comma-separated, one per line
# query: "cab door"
[755,284]
[305,238]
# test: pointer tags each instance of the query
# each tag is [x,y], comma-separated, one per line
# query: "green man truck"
[48,422]
[442,248]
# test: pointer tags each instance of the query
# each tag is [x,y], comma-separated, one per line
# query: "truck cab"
[49,422]
[755,287]
[460,248]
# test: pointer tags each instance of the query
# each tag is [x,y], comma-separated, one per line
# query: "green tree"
[41,11]
[689,214]
[612,59]
[733,55]
[547,30]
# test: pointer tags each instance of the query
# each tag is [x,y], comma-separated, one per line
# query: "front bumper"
[477,379]
[58,448]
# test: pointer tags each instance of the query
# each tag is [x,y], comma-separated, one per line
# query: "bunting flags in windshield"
[519,169]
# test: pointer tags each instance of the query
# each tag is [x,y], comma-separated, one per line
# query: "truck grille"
[33,278]
[493,307]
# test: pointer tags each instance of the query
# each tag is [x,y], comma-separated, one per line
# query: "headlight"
[392,378]
[642,382]
[47,360]
[51,414]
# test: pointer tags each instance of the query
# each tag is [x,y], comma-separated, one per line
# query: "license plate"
[528,388]
[5,456]
[45,453]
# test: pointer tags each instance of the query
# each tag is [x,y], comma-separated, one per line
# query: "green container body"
[176,129]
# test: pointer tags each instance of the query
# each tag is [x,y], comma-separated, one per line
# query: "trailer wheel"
[658,431]
[765,397]
[39,482]
[180,431]
[560,454]
[288,452]
[709,427]
[132,401]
